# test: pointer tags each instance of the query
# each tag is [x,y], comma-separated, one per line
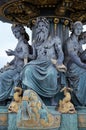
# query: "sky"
[8,41]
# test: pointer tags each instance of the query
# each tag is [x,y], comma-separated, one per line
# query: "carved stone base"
[34,114]
[81,116]
[12,121]
[3,118]
[38,129]
[69,122]
[75,121]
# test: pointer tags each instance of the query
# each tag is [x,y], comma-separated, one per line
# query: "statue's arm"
[58,48]
[74,56]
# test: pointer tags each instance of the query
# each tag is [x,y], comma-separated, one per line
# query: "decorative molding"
[21,11]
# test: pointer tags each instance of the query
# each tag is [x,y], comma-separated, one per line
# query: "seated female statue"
[10,75]
[76,68]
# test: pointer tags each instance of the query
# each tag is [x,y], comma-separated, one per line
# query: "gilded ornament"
[66,22]
[35,113]
[14,106]
[65,105]
[56,20]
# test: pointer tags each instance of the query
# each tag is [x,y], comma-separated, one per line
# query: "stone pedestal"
[69,122]
[81,118]
[56,123]
[12,119]
[77,121]
[37,129]
[3,118]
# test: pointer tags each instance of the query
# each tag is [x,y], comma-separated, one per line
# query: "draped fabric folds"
[41,76]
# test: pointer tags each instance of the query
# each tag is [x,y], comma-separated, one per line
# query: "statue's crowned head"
[76,24]
[42,29]
[19,28]
[44,20]
[77,27]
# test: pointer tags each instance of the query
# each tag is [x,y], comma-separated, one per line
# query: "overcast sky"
[8,41]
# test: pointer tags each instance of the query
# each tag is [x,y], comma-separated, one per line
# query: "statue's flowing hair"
[21,29]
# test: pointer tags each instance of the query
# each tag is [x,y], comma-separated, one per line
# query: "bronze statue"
[76,68]
[41,74]
[10,76]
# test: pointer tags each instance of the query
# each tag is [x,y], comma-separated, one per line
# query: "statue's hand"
[59,67]
[10,52]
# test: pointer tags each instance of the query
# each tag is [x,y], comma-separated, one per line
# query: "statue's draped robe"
[10,77]
[77,79]
[76,75]
[41,76]
[8,80]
